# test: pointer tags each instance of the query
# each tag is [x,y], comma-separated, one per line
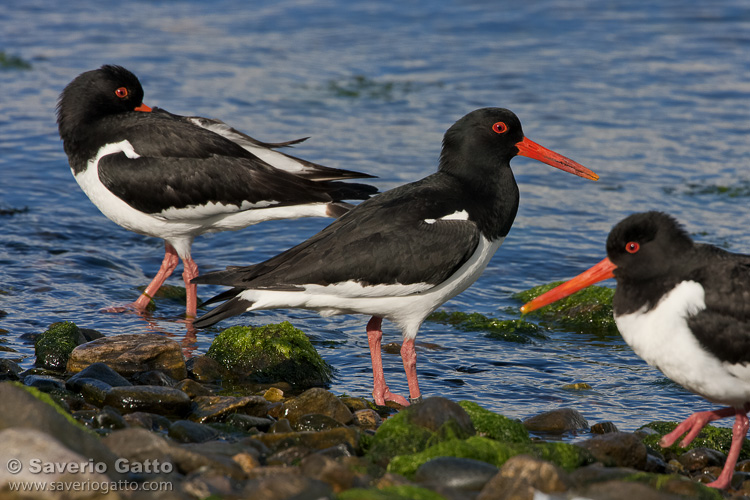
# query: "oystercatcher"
[401,254]
[684,308]
[176,177]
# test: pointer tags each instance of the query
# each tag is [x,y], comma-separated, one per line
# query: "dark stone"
[316,400]
[556,421]
[434,412]
[216,408]
[280,426]
[286,485]
[367,419]
[185,431]
[98,371]
[333,472]
[9,370]
[521,476]
[700,458]
[625,490]
[454,472]
[604,428]
[205,369]
[150,398]
[109,418]
[150,421]
[193,388]
[93,391]
[316,422]
[248,422]
[45,383]
[289,456]
[620,449]
[153,377]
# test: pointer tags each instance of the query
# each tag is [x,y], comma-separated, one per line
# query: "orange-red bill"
[143,107]
[533,150]
[602,271]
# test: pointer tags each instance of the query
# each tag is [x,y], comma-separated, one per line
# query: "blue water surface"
[653,97]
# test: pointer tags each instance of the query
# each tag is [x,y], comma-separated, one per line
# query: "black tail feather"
[231,307]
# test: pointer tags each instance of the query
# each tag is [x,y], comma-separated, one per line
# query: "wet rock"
[367,419]
[9,370]
[130,354]
[711,437]
[621,449]
[316,422]
[215,408]
[53,347]
[109,418]
[286,485]
[454,472]
[280,426]
[312,440]
[316,400]
[154,377]
[149,398]
[604,428]
[248,422]
[192,388]
[332,472]
[93,391]
[522,476]
[274,395]
[355,404]
[624,490]
[185,431]
[434,413]
[206,369]
[35,410]
[97,371]
[288,456]
[25,445]
[494,425]
[556,421]
[270,353]
[45,383]
[150,421]
[700,458]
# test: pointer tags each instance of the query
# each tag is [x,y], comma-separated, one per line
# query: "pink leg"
[693,425]
[409,357]
[380,391]
[739,430]
[191,289]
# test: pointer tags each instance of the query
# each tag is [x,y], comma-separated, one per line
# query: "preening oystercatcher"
[176,177]
[684,308]
[401,254]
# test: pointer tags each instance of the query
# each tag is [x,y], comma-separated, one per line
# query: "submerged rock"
[270,353]
[510,330]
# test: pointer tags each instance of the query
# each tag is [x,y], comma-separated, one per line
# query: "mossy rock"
[270,353]
[509,330]
[400,492]
[53,347]
[402,435]
[674,484]
[709,437]
[495,426]
[49,400]
[493,452]
[586,311]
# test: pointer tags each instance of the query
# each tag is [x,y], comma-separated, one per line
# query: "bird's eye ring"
[121,92]
[499,128]
[632,247]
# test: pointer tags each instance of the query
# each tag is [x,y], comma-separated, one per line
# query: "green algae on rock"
[510,330]
[588,310]
[54,346]
[270,353]
[495,426]
[493,452]
[709,437]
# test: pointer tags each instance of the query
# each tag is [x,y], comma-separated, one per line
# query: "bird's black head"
[647,245]
[95,94]
[481,143]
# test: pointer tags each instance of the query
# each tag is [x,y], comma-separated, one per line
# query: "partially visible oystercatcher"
[401,254]
[684,308]
[176,177]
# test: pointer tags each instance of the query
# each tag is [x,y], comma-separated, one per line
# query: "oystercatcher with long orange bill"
[684,308]
[176,177]
[401,254]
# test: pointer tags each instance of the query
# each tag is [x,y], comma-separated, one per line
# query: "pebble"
[556,421]
[620,449]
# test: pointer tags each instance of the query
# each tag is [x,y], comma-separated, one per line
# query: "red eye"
[122,92]
[500,128]
[632,247]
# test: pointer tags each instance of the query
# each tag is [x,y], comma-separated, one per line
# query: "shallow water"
[654,98]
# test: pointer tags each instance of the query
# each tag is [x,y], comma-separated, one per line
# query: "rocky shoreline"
[128,416]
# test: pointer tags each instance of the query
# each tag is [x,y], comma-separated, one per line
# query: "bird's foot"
[413,401]
[692,426]
[387,395]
